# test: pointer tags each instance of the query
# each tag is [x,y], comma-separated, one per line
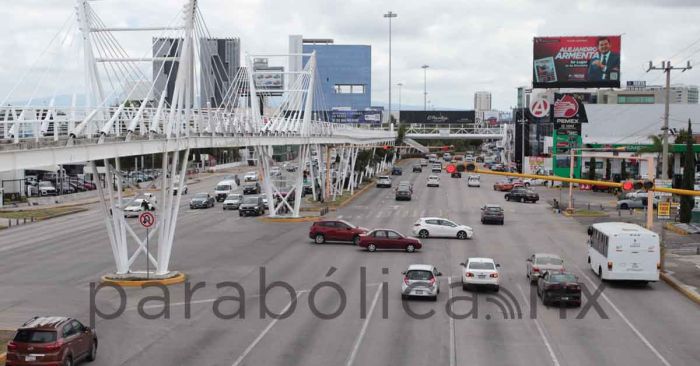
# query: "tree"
[401,134]
[687,202]
[657,147]
[591,169]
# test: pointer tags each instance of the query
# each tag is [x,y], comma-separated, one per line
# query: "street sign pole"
[147,219]
[147,251]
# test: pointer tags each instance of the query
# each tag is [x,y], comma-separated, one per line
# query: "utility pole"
[667,68]
[425,87]
[399,85]
[390,15]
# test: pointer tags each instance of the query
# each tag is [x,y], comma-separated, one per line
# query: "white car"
[275,171]
[383,182]
[437,168]
[481,272]
[251,176]
[421,280]
[438,227]
[527,182]
[138,206]
[642,194]
[46,188]
[433,181]
[473,181]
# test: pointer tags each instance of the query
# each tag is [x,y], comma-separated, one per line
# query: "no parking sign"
[147,219]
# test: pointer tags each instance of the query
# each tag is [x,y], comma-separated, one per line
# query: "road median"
[679,286]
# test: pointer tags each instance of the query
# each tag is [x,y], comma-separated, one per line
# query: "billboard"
[437,117]
[371,116]
[576,62]
[269,79]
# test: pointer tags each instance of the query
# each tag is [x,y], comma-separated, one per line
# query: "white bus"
[624,251]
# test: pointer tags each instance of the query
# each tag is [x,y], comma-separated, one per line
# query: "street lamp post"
[425,87]
[390,15]
[399,85]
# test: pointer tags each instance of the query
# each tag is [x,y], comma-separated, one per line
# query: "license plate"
[482,276]
[419,292]
[564,298]
[30,358]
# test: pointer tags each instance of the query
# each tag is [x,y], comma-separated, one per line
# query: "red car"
[504,185]
[389,239]
[335,230]
[52,341]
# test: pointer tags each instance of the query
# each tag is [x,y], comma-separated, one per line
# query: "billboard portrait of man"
[606,64]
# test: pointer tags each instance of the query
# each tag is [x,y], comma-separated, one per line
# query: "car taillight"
[11,346]
[469,274]
[53,346]
[493,275]
[658,265]
[432,282]
[405,280]
[610,265]
[535,269]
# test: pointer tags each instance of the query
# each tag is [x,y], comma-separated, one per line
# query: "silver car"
[539,263]
[639,202]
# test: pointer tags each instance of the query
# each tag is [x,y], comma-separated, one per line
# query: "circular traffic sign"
[147,219]
[539,107]
[451,168]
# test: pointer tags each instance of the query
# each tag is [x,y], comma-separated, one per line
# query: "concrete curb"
[179,278]
[289,219]
[567,214]
[681,287]
[676,230]
[354,196]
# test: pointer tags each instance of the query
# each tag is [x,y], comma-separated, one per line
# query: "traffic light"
[627,185]
[644,184]
[451,168]
[470,167]
[387,147]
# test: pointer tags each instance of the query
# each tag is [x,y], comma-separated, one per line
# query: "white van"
[624,251]
[223,189]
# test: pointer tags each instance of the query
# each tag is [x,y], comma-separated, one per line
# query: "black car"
[492,214]
[456,175]
[561,287]
[251,188]
[417,168]
[522,195]
[202,200]
[403,192]
[252,205]
[396,171]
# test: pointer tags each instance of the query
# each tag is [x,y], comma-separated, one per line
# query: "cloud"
[469,45]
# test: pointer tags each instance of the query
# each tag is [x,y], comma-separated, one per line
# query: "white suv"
[420,280]
[433,181]
[438,227]
[481,272]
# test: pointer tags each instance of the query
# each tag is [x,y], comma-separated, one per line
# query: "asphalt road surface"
[47,268]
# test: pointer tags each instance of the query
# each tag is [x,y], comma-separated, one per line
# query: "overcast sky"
[469,45]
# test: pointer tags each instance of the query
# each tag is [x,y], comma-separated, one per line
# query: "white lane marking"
[627,321]
[453,354]
[263,333]
[363,331]
[540,330]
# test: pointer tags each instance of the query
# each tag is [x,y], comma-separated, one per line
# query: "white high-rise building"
[482,101]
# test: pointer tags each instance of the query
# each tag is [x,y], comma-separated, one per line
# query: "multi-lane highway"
[47,269]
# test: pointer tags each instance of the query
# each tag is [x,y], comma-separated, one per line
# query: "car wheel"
[482,221]
[404,297]
[410,248]
[319,239]
[68,361]
[507,197]
[501,222]
[521,200]
[624,206]
[93,352]
[434,298]
[423,233]
[465,287]
[527,185]
[240,213]
[461,235]
[600,272]
[497,288]
[356,240]
[371,247]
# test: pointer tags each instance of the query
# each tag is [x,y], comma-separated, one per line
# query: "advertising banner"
[355,116]
[568,112]
[438,117]
[576,62]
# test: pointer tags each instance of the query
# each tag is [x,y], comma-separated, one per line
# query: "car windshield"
[481,265]
[250,200]
[419,275]
[562,277]
[45,184]
[200,196]
[233,197]
[35,336]
[223,187]
[494,209]
[554,261]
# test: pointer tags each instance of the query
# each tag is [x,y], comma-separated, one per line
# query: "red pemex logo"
[566,107]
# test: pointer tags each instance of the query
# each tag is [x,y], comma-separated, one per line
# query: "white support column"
[352,171]
[299,184]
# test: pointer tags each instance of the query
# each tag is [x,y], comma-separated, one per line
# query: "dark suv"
[322,231]
[52,341]
[251,188]
[492,213]
[252,205]
[522,195]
